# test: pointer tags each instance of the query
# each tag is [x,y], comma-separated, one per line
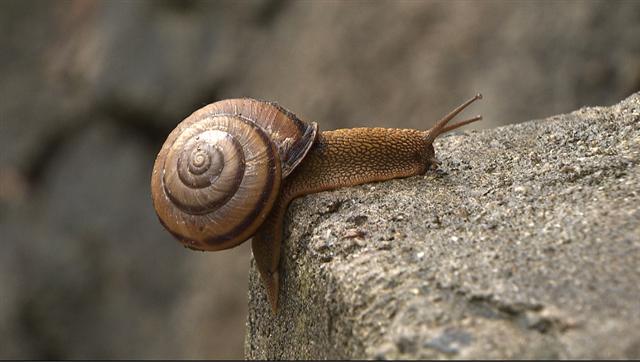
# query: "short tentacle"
[460,124]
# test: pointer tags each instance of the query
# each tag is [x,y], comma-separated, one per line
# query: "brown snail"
[229,171]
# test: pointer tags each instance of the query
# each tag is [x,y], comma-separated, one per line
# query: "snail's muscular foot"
[266,254]
[272,284]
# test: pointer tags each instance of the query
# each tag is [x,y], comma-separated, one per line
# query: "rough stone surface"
[525,244]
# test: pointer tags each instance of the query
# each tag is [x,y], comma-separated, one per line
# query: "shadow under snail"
[229,171]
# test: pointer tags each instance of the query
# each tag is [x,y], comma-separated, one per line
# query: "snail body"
[228,172]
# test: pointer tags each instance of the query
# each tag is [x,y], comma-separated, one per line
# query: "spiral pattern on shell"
[219,177]
[219,172]
[210,167]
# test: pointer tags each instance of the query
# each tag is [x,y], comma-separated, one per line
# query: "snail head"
[441,127]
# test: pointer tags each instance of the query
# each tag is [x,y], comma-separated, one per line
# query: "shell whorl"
[219,172]
[209,167]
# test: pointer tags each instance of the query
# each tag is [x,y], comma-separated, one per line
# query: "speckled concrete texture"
[524,244]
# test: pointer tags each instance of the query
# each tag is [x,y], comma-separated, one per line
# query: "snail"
[228,172]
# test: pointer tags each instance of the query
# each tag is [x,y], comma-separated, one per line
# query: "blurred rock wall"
[89,90]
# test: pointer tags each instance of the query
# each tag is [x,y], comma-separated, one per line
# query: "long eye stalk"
[441,126]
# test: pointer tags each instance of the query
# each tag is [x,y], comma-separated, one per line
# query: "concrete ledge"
[525,244]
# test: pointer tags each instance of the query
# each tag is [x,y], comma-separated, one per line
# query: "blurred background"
[90,89]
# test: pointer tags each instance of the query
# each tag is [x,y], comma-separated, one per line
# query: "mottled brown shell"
[220,170]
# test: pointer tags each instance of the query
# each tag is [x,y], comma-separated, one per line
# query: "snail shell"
[219,172]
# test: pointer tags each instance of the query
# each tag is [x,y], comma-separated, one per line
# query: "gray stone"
[524,244]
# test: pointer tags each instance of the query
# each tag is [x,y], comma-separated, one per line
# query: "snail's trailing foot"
[271,282]
[272,286]
[266,252]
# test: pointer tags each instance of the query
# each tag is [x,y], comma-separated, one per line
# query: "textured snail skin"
[308,161]
[342,158]
[339,158]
